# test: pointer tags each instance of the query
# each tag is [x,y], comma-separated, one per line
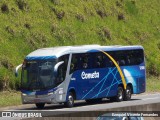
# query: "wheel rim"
[70,99]
[128,93]
[120,94]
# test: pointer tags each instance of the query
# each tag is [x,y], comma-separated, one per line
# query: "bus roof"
[56,52]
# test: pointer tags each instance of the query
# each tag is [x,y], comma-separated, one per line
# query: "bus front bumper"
[32,99]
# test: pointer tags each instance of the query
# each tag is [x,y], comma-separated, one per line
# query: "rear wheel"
[120,94]
[40,105]
[70,100]
[128,93]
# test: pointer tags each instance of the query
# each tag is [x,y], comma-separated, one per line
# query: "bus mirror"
[57,65]
[16,70]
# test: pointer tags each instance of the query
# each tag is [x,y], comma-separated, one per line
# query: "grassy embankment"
[29,25]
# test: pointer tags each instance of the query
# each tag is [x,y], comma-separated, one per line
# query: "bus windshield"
[38,75]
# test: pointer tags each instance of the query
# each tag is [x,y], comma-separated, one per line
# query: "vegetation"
[153,84]
[9,98]
[26,25]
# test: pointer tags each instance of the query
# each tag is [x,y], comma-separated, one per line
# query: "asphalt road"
[83,106]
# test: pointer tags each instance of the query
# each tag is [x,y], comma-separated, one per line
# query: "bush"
[4,79]
[105,34]
[22,5]
[121,16]
[101,13]
[62,36]
[80,17]
[37,40]
[4,8]
[10,30]
[153,67]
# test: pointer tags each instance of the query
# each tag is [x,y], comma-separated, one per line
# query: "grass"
[12,98]
[29,25]
[153,84]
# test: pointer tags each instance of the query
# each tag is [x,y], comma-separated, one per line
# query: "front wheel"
[128,93]
[70,100]
[40,105]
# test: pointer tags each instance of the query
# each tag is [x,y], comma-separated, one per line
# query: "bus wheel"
[120,94]
[128,93]
[40,105]
[70,100]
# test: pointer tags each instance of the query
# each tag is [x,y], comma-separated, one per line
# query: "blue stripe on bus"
[99,83]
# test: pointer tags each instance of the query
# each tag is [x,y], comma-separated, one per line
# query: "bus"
[88,72]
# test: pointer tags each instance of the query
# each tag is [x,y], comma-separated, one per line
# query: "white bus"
[88,72]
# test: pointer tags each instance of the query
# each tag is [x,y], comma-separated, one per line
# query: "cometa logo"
[90,75]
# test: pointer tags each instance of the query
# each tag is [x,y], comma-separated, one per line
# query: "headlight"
[24,94]
[51,93]
[60,91]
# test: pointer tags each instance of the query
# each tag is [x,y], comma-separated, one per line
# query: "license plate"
[36,100]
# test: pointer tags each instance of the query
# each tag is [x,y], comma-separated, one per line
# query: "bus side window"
[62,68]
[122,62]
[128,61]
[74,63]
[106,61]
[98,60]
[134,57]
[84,61]
[139,56]
[109,61]
[61,75]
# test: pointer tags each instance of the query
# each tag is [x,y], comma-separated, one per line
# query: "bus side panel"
[100,83]
[141,85]
[136,76]
[95,83]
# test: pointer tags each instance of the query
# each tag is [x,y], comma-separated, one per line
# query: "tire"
[70,100]
[128,93]
[120,94]
[40,105]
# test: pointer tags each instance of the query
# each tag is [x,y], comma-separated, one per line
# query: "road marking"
[151,98]
[146,94]
[149,95]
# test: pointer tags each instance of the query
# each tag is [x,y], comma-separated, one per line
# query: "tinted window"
[62,68]
[100,60]
[126,57]
[74,63]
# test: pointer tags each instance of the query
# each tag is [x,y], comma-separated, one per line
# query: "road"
[81,107]
[105,104]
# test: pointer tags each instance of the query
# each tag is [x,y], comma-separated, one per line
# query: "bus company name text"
[89,75]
